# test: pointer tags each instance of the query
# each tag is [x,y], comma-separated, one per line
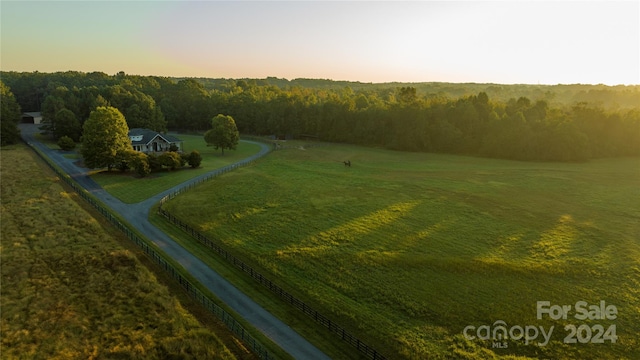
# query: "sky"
[506,42]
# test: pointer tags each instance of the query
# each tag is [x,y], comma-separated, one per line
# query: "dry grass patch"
[70,290]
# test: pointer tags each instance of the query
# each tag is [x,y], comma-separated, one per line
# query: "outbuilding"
[32,118]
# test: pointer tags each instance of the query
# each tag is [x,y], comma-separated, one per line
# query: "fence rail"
[248,340]
[367,350]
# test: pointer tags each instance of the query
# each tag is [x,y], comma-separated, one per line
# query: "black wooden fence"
[252,343]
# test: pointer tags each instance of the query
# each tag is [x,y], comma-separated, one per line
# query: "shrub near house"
[195,159]
[171,160]
[66,143]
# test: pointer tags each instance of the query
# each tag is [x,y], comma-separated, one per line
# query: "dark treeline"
[524,122]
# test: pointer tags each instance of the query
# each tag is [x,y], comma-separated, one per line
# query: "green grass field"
[74,289]
[408,249]
[130,189]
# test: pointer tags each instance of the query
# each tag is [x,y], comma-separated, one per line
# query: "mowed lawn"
[407,249]
[129,188]
[70,290]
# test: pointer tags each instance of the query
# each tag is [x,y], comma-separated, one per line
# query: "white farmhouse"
[149,141]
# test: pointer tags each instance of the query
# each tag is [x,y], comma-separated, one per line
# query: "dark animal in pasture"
[347,163]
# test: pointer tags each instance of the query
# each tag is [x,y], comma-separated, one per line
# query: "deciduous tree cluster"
[525,122]
[10,116]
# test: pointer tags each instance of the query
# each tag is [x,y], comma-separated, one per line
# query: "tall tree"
[186,105]
[105,137]
[67,125]
[407,95]
[139,109]
[223,134]
[10,116]
[51,106]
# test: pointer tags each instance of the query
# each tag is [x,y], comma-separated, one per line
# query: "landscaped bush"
[66,143]
[195,159]
[140,162]
[154,162]
[171,160]
[123,166]
[124,159]
[184,159]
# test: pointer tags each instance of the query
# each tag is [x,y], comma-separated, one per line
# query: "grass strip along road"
[137,215]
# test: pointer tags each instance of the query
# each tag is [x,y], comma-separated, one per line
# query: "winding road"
[137,215]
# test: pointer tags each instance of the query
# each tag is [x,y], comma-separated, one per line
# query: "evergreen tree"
[195,159]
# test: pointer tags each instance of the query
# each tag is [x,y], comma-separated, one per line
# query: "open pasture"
[74,289]
[408,249]
[131,189]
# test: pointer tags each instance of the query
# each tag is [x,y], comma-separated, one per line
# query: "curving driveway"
[137,215]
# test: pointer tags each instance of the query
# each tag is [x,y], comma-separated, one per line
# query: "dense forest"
[524,122]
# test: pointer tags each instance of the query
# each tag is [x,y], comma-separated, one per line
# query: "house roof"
[32,114]
[149,135]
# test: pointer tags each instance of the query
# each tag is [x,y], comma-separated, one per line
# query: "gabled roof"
[149,135]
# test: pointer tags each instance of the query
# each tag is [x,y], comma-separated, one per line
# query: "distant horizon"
[482,42]
[321,79]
